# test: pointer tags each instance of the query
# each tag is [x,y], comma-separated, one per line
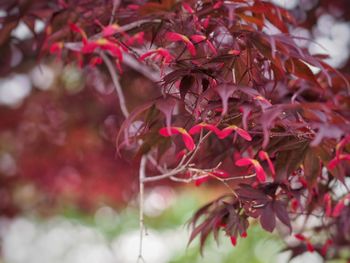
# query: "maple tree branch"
[209,172]
[165,175]
[182,166]
[143,162]
[116,83]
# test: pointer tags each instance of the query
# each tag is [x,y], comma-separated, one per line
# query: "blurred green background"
[113,236]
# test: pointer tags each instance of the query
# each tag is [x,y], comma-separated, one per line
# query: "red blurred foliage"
[64,144]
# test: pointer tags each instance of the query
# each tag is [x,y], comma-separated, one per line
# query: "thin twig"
[226,184]
[164,175]
[155,164]
[142,170]
[201,140]
[194,178]
[116,4]
[187,180]
[142,176]
[116,83]
[239,177]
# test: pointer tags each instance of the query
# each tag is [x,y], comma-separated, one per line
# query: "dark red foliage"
[278,132]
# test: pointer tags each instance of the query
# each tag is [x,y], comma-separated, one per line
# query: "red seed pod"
[327,199]
[187,139]
[233,240]
[294,205]
[301,237]
[260,173]
[172,36]
[201,180]
[264,156]
[325,247]
[310,247]
[338,208]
